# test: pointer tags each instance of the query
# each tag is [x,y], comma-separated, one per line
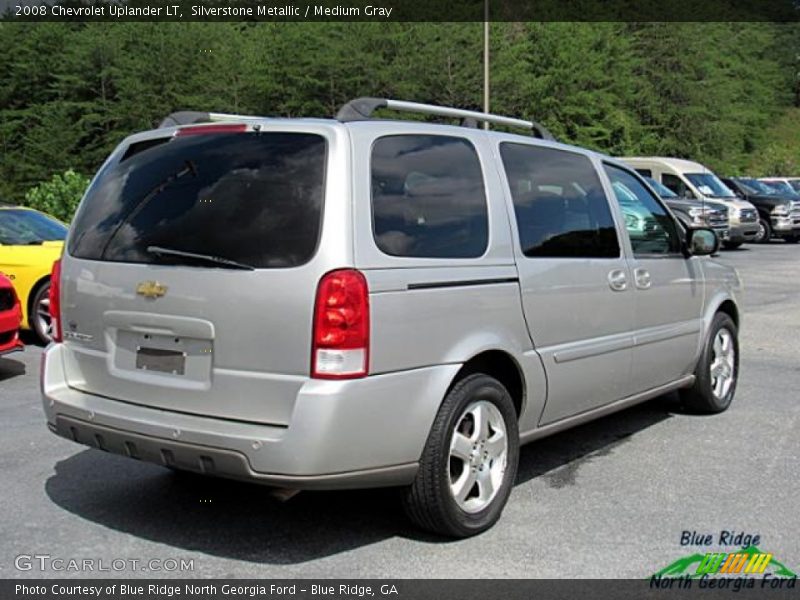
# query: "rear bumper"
[343,434]
[220,462]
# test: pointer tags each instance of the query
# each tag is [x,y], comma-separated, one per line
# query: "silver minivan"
[361,302]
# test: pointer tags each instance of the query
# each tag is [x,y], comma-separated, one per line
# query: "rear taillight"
[340,347]
[55,302]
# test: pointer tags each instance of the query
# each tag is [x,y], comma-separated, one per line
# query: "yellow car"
[30,241]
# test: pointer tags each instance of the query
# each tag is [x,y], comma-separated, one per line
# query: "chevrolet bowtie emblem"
[151,289]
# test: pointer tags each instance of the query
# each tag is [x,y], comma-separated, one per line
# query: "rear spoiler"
[189,117]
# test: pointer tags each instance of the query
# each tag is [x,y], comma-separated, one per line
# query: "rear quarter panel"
[429,312]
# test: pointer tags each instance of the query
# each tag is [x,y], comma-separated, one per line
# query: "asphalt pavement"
[610,499]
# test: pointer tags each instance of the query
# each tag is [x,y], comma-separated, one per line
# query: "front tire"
[717,370]
[793,239]
[469,463]
[764,232]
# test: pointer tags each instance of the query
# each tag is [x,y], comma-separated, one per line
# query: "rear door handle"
[642,277]
[618,280]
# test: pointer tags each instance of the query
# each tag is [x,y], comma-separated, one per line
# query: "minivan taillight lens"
[55,302]
[340,348]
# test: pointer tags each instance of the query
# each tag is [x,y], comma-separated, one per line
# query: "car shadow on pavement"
[246,522]
[558,458]
[10,368]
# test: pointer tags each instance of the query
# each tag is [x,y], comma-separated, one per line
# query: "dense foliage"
[716,92]
[60,195]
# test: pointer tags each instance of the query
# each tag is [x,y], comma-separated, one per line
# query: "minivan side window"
[559,203]
[650,227]
[428,197]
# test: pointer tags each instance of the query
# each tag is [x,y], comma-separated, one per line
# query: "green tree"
[59,196]
[575,78]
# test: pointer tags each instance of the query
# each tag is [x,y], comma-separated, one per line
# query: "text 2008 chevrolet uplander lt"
[357,302]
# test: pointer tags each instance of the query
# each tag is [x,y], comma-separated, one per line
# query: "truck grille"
[748,215]
[718,219]
[795,213]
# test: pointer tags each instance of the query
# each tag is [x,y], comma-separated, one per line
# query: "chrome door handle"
[617,280]
[642,277]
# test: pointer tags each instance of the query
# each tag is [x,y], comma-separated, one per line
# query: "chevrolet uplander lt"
[358,302]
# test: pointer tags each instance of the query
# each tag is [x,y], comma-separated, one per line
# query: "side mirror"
[701,241]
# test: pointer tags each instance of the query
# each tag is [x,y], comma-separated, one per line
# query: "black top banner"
[400,10]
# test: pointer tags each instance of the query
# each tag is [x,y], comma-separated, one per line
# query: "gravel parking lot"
[609,499]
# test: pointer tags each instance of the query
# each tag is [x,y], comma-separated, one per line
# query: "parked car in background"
[30,241]
[778,213]
[694,213]
[783,183]
[402,304]
[10,317]
[693,181]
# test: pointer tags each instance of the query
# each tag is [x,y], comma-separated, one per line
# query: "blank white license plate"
[164,361]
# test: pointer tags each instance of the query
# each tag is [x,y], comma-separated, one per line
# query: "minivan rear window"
[248,198]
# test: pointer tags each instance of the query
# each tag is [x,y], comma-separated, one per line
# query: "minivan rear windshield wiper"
[206,257]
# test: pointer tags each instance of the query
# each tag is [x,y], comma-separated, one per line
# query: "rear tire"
[717,370]
[469,463]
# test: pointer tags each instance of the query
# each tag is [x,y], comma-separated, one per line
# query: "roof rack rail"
[189,117]
[361,109]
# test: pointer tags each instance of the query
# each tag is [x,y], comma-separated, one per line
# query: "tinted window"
[709,184]
[561,209]
[644,172]
[251,198]
[428,197]
[660,188]
[677,185]
[19,226]
[650,227]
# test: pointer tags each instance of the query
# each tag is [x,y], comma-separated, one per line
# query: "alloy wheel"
[723,363]
[478,456]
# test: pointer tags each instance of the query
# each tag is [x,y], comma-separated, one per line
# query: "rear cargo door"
[191,269]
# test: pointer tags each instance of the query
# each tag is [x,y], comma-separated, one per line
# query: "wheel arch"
[502,366]
[723,302]
[729,307]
